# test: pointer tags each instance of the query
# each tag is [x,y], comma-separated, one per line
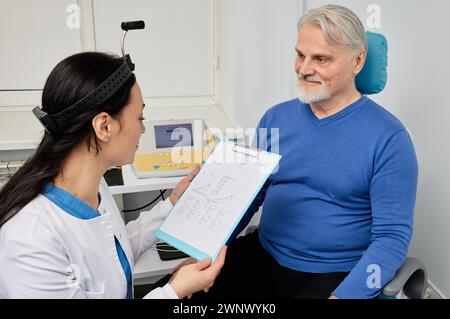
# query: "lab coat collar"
[69,203]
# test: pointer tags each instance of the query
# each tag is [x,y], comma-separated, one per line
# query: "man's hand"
[333,297]
[182,185]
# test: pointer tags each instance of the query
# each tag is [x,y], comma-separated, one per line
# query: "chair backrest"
[373,77]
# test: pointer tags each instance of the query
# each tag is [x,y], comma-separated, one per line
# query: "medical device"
[172,148]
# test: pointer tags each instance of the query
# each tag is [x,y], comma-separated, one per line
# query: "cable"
[161,195]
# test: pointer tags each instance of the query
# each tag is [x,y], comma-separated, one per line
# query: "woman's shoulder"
[29,225]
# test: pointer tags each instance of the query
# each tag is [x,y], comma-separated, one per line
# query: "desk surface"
[150,265]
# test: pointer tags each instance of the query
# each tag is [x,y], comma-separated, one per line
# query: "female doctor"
[61,234]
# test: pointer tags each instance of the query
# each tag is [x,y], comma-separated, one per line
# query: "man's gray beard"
[305,97]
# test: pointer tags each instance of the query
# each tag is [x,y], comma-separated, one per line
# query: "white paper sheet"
[209,210]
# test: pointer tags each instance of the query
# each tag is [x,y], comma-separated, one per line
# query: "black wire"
[161,195]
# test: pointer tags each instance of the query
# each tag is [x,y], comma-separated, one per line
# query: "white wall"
[417,93]
[266,33]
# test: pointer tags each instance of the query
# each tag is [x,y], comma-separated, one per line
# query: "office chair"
[411,278]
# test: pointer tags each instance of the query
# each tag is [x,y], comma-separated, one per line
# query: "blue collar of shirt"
[321,122]
[69,203]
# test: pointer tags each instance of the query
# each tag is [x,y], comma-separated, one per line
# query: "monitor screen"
[167,136]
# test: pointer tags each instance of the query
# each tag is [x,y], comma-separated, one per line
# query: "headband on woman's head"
[53,123]
[97,97]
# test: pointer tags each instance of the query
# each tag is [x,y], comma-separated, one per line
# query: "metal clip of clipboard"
[246,151]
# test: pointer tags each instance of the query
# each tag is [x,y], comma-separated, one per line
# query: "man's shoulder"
[379,117]
[285,106]
[282,108]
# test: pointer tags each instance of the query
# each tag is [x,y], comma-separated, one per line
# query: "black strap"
[98,96]
[53,123]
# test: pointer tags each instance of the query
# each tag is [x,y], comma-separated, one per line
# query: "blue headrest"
[373,77]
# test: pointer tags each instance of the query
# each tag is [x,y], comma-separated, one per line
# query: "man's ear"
[360,60]
[102,124]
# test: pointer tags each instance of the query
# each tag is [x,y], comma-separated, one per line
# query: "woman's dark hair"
[70,81]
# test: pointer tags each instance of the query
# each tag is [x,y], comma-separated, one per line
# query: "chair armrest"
[411,278]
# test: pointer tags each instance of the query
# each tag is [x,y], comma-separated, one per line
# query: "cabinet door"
[174,54]
[34,37]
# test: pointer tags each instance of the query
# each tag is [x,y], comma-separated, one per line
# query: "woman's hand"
[193,277]
[182,185]
[185,262]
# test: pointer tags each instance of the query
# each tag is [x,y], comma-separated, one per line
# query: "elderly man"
[338,214]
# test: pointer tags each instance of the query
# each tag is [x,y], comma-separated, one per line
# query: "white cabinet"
[34,37]
[174,54]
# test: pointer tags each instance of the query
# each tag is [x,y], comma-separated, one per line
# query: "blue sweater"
[343,196]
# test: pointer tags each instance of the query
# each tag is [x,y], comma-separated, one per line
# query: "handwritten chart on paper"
[209,210]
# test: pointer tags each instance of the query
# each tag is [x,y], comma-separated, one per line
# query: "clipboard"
[207,213]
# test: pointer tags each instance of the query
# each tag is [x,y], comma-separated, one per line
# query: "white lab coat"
[47,253]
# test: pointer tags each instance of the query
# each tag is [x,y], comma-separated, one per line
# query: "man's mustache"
[310,78]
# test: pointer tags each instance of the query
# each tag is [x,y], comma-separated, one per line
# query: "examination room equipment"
[172,148]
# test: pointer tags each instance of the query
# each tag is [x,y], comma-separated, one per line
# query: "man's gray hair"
[340,26]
